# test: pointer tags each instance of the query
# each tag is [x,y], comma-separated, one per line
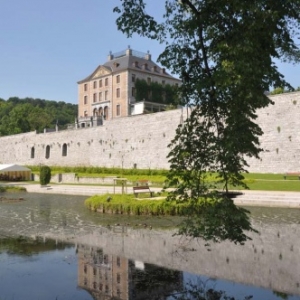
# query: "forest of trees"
[28,114]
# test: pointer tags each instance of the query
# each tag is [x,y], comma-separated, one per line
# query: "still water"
[52,247]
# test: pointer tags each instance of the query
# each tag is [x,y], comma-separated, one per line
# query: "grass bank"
[8,188]
[128,205]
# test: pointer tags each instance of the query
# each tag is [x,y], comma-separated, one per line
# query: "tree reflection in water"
[200,291]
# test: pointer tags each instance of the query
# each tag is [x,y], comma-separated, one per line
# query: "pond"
[52,247]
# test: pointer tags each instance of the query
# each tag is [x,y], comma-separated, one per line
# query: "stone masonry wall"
[137,141]
[142,141]
[281,139]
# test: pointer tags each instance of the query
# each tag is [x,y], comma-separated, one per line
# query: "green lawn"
[255,181]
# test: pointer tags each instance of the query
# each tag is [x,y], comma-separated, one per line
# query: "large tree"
[224,51]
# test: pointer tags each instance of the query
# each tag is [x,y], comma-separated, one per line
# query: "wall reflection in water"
[107,276]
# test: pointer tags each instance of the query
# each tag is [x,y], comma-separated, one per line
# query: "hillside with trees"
[28,114]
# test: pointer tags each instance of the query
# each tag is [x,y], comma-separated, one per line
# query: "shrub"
[45,175]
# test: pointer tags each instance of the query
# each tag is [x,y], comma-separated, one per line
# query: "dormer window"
[136,64]
[145,66]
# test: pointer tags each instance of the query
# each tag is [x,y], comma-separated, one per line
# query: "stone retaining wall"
[142,141]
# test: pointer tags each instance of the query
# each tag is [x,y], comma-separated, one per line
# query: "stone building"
[110,91]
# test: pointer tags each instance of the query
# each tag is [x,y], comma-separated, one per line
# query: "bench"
[292,174]
[142,189]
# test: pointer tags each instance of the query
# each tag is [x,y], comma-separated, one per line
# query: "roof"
[12,168]
[132,62]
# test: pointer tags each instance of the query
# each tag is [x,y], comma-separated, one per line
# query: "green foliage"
[127,204]
[25,246]
[24,115]
[208,44]
[277,91]
[156,92]
[103,170]
[217,219]
[45,175]
[11,189]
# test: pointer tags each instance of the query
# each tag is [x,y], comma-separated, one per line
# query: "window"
[118,261]
[163,82]
[133,78]
[100,96]
[85,87]
[118,79]
[64,150]
[118,93]
[95,97]
[149,80]
[32,152]
[95,84]
[133,92]
[106,81]
[105,116]
[85,269]
[118,110]
[85,100]
[100,83]
[106,95]
[118,278]
[106,259]
[47,152]
[94,271]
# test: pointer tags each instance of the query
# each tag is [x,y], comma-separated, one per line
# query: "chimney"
[128,51]
[110,56]
[148,56]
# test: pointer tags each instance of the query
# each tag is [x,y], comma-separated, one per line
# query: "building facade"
[110,91]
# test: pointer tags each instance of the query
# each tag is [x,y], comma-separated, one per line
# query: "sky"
[46,47]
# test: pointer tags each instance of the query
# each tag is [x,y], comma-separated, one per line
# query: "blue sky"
[47,46]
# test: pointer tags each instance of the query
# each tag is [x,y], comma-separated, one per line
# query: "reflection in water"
[119,259]
[49,269]
[108,276]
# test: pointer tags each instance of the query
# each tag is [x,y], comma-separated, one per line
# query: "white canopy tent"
[14,172]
